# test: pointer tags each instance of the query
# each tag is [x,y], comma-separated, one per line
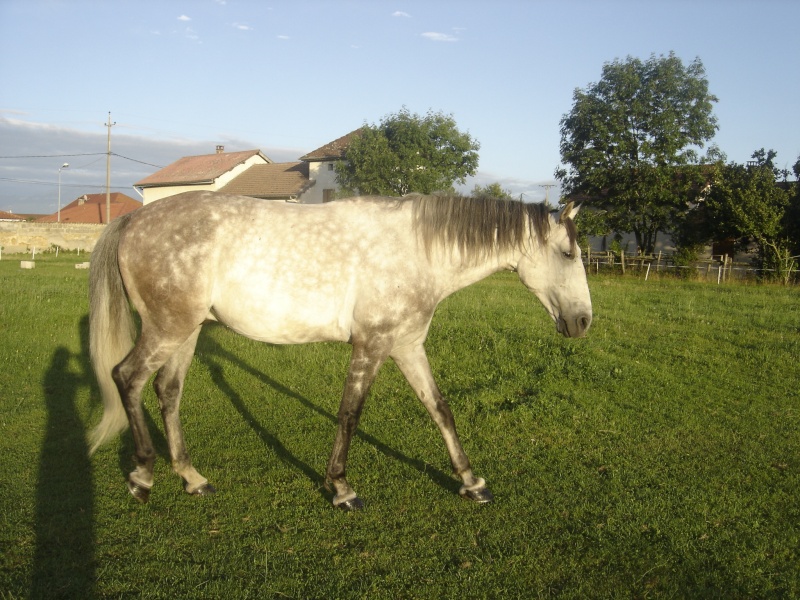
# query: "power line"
[56,155]
[141,162]
[50,183]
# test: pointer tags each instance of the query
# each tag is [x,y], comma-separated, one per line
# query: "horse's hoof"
[204,490]
[352,504]
[138,491]
[480,496]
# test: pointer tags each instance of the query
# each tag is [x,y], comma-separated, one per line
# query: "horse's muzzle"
[574,326]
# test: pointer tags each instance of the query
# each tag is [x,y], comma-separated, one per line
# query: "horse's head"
[553,270]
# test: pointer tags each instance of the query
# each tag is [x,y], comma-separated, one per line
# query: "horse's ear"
[569,212]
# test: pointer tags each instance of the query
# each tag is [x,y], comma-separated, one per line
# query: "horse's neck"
[456,272]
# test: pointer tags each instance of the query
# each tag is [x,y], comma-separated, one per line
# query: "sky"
[286,77]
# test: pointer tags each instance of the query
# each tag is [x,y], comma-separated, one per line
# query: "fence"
[717,268]
[24,237]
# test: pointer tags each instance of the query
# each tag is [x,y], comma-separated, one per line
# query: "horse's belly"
[282,320]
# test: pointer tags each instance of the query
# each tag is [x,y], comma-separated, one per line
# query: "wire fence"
[717,268]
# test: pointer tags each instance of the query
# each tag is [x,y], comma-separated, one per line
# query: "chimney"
[220,149]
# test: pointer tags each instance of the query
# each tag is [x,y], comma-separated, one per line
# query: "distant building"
[321,167]
[91,208]
[311,180]
[7,216]
[206,172]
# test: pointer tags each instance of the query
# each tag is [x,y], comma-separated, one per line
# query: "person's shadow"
[64,561]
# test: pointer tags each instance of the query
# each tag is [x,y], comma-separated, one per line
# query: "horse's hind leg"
[131,375]
[413,363]
[169,388]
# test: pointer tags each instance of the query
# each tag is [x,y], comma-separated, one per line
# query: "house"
[206,172]
[7,216]
[91,208]
[310,180]
[275,181]
[321,167]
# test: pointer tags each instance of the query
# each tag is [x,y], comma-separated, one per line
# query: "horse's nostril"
[584,323]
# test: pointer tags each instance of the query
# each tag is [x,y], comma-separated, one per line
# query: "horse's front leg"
[413,363]
[364,365]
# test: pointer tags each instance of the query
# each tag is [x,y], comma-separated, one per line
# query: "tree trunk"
[646,240]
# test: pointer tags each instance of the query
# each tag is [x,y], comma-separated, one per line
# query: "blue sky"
[180,77]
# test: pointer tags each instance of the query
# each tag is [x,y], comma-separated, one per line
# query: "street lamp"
[64,166]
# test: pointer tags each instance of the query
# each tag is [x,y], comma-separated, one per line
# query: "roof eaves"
[173,183]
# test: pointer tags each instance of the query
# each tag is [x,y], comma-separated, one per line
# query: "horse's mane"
[480,226]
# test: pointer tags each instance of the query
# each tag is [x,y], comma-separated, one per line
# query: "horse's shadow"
[213,354]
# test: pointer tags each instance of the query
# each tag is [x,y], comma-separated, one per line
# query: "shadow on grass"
[211,349]
[64,561]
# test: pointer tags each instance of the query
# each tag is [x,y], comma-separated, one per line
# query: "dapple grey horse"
[369,271]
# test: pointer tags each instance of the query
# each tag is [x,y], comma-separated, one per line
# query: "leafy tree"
[408,153]
[630,143]
[746,203]
[492,190]
[791,220]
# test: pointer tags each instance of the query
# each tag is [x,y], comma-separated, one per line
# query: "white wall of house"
[151,194]
[325,177]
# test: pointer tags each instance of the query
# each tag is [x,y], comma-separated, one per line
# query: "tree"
[408,153]
[630,143]
[492,190]
[791,220]
[747,203]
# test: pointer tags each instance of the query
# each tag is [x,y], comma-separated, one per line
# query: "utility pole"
[547,187]
[108,170]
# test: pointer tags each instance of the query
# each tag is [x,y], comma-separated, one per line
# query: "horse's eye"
[568,255]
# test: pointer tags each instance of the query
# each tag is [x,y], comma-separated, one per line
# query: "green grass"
[659,457]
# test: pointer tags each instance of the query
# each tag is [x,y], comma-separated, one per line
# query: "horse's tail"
[112,330]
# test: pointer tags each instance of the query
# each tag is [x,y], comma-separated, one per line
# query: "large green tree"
[406,153]
[630,145]
[747,203]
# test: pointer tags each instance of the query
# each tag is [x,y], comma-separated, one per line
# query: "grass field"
[659,457]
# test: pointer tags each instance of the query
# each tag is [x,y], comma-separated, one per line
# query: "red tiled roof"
[198,169]
[7,216]
[91,208]
[276,180]
[334,150]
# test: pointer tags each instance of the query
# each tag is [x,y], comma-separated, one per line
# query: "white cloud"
[400,13]
[283,37]
[435,36]
[242,27]
[184,18]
